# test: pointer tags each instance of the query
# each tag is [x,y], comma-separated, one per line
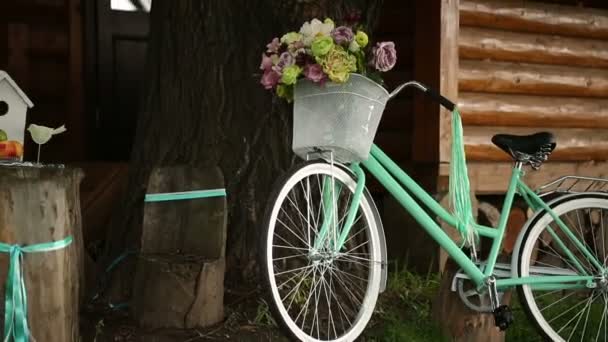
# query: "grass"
[404,312]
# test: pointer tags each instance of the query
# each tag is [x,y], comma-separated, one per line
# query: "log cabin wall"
[526,67]
[41,48]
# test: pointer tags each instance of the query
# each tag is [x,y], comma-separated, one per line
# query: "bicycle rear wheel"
[317,294]
[568,314]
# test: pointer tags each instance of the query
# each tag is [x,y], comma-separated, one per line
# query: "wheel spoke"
[319,294]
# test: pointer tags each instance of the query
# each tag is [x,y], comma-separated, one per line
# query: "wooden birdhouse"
[13,108]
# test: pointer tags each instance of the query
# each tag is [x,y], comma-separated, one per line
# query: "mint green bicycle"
[323,252]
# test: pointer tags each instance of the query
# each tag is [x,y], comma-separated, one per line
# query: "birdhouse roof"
[5,76]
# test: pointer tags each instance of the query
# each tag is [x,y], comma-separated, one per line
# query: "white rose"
[310,30]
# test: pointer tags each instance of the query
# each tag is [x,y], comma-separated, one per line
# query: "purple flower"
[342,35]
[384,56]
[314,72]
[274,45]
[285,60]
[270,79]
[266,62]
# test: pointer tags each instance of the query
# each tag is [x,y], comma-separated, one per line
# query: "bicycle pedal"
[503,317]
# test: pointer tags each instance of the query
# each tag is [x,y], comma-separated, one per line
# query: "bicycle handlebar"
[433,94]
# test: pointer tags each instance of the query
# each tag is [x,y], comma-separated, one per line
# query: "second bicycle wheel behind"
[317,293]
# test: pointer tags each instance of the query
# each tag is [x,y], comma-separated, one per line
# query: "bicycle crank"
[503,317]
[473,299]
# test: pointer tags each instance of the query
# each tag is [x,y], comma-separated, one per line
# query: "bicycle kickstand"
[503,317]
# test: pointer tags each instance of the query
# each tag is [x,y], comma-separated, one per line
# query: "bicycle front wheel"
[568,313]
[318,293]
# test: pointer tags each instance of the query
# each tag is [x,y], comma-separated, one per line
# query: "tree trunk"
[202,104]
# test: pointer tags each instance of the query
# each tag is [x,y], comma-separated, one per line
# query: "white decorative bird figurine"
[41,135]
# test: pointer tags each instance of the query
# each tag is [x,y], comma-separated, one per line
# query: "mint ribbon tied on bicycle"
[460,190]
[15,300]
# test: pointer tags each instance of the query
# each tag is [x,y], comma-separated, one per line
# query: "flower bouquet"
[320,52]
[336,88]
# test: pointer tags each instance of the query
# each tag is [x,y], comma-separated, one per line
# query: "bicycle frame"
[396,181]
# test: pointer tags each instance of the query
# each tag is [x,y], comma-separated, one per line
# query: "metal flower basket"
[337,117]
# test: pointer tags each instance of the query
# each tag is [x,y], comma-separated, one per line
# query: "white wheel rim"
[373,284]
[537,229]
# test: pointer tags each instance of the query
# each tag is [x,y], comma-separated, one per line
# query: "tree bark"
[202,104]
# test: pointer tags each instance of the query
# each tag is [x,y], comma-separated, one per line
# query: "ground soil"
[103,324]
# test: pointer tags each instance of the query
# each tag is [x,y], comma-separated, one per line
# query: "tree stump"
[179,281]
[457,321]
[41,205]
[179,291]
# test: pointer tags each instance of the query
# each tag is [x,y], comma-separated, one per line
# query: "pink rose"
[342,35]
[274,45]
[266,62]
[314,72]
[270,79]
[384,56]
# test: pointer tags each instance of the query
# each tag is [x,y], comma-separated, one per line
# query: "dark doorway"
[116,37]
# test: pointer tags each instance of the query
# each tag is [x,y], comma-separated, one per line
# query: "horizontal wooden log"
[524,78]
[535,17]
[481,109]
[493,177]
[572,144]
[479,43]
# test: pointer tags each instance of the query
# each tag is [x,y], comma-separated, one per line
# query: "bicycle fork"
[331,223]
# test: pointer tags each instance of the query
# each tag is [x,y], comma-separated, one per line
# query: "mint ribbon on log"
[15,299]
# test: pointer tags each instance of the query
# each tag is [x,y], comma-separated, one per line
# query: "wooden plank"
[3,44]
[524,78]
[395,144]
[482,109]
[398,116]
[535,17]
[396,17]
[493,177]
[48,40]
[49,79]
[18,62]
[448,72]
[436,60]
[425,139]
[572,144]
[75,116]
[479,43]
[21,11]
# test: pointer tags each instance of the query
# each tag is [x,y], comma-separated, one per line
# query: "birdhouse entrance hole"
[3,108]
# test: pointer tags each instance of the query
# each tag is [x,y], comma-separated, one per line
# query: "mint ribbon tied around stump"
[15,298]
